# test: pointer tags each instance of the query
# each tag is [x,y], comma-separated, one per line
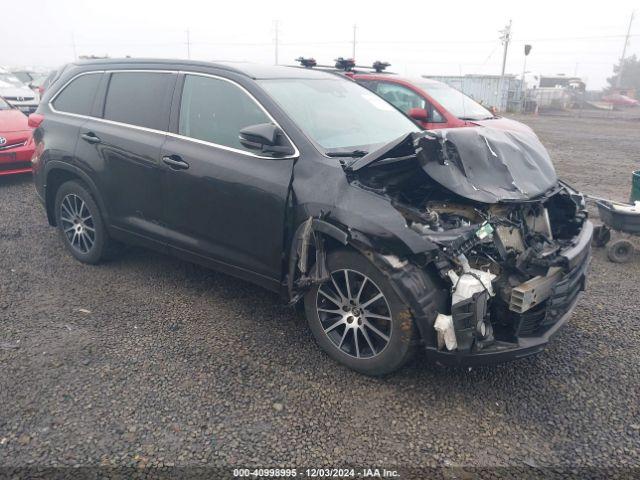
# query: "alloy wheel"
[77,223]
[354,314]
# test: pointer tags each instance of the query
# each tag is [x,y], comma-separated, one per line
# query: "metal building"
[503,93]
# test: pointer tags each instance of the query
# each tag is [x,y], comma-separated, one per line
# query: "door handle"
[175,162]
[90,137]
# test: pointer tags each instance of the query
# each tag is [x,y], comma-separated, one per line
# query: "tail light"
[35,119]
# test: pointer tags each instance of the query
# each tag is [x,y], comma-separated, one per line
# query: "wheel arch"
[57,174]
[418,287]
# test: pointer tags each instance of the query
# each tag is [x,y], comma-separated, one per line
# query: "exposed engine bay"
[511,238]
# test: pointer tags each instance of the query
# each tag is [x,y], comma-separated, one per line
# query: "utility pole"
[523,91]
[188,44]
[276,41]
[73,44]
[353,53]
[505,39]
[624,51]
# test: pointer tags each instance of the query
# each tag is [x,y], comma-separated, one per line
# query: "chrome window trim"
[77,115]
[295,154]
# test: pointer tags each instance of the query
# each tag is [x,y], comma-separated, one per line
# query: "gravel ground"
[149,361]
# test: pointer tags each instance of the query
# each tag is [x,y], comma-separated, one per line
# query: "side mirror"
[419,114]
[266,138]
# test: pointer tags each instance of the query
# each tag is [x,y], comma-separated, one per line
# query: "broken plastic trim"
[310,233]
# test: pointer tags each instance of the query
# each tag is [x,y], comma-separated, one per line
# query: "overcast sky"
[416,37]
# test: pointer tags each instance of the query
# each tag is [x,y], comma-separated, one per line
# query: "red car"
[433,104]
[16,144]
[618,100]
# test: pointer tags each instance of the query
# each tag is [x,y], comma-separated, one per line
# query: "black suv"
[461,241]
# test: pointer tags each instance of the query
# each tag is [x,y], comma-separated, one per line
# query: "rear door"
[123,149]
[222,202]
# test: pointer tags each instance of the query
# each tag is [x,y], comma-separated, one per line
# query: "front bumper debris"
[534,327]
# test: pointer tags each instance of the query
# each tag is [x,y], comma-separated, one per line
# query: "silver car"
[17,93]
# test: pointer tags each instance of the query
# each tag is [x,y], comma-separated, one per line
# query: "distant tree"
[630,74]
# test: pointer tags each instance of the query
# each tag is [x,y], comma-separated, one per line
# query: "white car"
[18,94]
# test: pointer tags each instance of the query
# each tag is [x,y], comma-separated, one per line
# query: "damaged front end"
[513,243]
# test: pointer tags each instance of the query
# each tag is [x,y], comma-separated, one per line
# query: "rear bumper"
[536,327]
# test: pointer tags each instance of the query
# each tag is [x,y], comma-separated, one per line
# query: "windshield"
[4,105]
[38,79]
[24,77]
[11,79]
[338,114]
[455,101]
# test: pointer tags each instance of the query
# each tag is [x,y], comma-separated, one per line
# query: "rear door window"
[139,98]
[215,110]
[78,96]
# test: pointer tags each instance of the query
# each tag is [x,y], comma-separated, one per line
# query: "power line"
[322,42]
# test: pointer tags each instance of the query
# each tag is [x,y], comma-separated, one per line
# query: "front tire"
[357,318]
[80,223]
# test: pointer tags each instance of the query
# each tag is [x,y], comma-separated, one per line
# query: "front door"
[222,201]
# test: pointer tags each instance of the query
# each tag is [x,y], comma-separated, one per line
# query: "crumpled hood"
[503,123]
[483,164]
[487,165]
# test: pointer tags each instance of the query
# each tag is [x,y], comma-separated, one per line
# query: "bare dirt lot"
[149,361]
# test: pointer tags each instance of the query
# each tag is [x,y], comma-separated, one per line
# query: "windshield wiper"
[352,154]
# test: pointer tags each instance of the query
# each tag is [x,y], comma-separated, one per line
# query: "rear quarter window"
[139,98]
[78,96]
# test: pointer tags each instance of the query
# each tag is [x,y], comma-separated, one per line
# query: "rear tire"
[80,223]
[620,251]
[357,318]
